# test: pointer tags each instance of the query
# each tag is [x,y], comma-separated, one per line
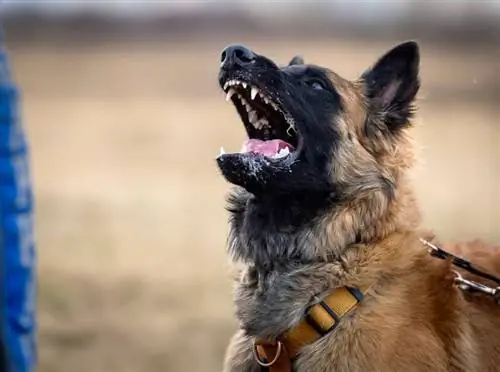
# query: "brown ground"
[130,221]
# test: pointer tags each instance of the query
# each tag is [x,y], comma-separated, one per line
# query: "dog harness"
[324,317]
[318,321]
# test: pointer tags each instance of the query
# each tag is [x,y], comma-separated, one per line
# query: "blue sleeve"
[17,249]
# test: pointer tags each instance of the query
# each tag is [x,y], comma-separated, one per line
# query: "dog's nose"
[236,55]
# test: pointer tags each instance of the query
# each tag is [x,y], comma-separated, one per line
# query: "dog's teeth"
[230,92]
[243,101]
[274,106]
[252,117]
[290,127]
[226,85]
[253,93]
[266,100]
[244,85]
[248,107]
[222,152]
[263,123]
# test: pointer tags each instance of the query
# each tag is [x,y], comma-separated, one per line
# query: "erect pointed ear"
[297,60]
[391,85]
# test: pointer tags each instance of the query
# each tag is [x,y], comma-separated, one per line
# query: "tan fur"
[413,318]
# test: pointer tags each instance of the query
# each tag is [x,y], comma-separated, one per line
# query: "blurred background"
[125,118]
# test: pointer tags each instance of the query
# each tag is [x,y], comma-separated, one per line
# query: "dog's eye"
[315,84]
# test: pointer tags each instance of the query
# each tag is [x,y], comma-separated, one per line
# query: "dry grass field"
[131,225]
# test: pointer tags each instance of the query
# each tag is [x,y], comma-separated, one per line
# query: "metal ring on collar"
[260,361]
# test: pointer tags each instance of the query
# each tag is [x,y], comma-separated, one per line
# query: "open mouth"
[271,130]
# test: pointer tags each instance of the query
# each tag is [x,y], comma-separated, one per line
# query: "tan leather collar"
[319,320]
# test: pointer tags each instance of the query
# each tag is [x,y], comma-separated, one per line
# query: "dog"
[325,226]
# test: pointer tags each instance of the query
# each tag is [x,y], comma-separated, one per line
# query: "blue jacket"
[17,250]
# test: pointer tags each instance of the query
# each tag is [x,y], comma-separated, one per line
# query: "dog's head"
[309,130]
[323,166]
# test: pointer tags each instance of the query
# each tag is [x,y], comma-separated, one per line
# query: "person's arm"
[17,249]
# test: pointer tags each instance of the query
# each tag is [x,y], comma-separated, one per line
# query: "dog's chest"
[266,308]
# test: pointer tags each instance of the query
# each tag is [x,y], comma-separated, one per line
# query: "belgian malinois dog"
[325,225]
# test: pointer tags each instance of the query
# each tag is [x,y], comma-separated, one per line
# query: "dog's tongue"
[267,148]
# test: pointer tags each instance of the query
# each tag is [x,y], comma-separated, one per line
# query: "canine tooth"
[230,92]
[244,85]
[226,85]
[253,93]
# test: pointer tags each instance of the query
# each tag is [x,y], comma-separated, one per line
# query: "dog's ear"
[297,60]
[392,84]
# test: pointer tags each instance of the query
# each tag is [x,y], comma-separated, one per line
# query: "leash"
[464,284]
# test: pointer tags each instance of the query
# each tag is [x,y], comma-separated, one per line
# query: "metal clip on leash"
[464,284]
